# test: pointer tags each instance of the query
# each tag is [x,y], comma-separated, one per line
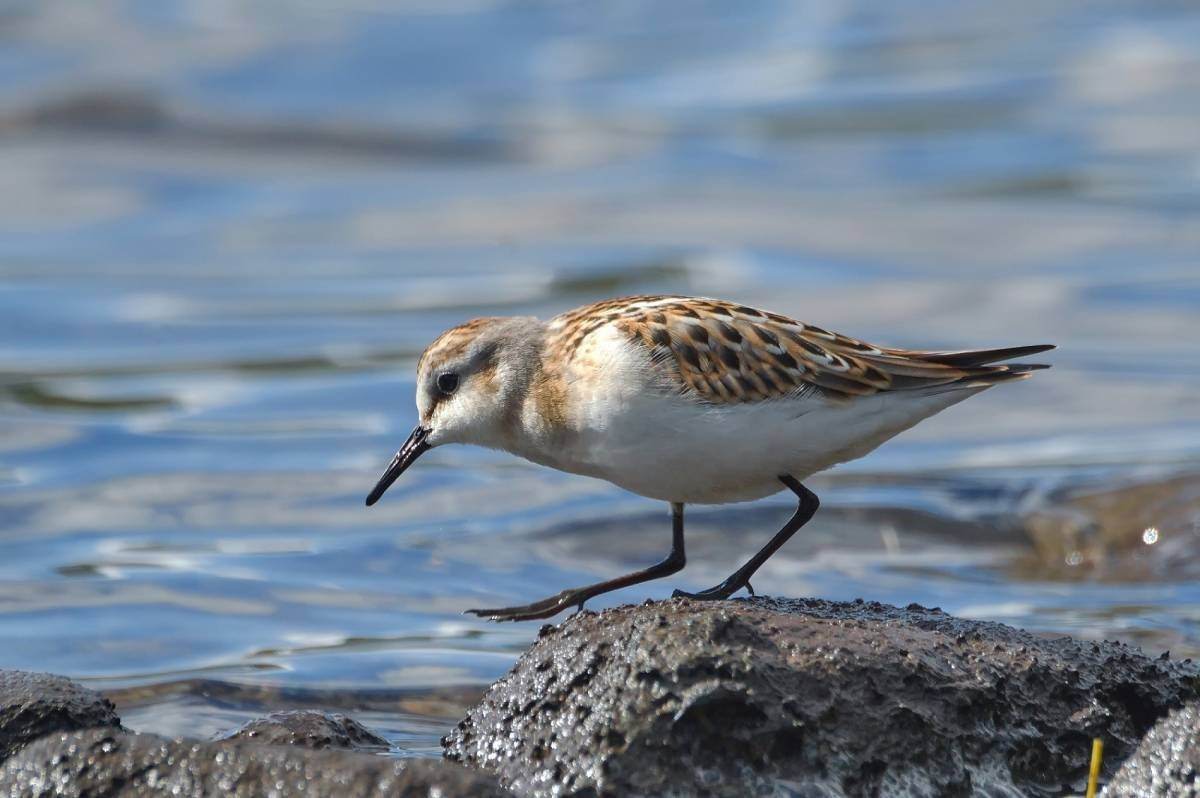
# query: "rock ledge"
[309,728]
[35,704]
[770,696]
[113,763]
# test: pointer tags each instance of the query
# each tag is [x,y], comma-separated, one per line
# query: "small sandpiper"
[682,399]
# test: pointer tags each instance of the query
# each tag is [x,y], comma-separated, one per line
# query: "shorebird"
[682,399]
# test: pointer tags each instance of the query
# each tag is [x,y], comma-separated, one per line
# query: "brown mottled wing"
[728,353]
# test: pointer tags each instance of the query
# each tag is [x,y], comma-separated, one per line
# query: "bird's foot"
[716,593]
[546,608]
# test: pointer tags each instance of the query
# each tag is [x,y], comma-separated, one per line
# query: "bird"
[682,399]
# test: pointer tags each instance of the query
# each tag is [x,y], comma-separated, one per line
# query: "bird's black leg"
[555,604]
[741,577]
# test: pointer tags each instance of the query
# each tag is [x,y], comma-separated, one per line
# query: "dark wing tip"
[980,357]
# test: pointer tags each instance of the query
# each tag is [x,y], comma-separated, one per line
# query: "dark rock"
[1167,763]
[36,704]
[310,729]
[767,696]
[120,765]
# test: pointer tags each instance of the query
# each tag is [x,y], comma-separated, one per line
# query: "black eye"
[447,382]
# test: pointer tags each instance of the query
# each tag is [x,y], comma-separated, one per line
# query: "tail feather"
[979,357]
[937,372]
[926,371]
[992,375]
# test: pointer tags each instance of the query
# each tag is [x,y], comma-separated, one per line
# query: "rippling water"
[228,230]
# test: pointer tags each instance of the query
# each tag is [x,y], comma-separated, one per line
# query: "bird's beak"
[413,448]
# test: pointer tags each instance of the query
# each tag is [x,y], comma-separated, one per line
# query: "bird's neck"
[536,411]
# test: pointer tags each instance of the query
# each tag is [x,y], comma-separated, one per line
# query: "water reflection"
[1141,531]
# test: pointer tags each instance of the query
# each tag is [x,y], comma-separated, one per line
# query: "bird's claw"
[716,593]
[546,608]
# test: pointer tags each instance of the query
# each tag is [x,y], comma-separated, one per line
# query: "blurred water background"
[228,229]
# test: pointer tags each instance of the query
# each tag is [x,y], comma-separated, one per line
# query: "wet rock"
[773,696]
[36,704]
[1167,763]
[122,765]
[309,729]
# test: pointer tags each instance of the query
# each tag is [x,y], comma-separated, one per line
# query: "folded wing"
[727,353]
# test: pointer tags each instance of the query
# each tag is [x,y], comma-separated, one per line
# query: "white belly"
[670,448]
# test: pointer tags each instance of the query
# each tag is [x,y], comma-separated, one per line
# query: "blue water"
[228,230]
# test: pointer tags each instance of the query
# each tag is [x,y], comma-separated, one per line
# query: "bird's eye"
[447,382]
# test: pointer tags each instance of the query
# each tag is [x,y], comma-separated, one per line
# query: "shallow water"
[226,234]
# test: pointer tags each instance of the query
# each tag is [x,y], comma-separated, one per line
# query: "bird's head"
[470,382]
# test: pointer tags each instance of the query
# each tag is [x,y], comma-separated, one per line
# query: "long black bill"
[413,448]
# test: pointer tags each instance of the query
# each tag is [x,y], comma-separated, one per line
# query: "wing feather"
[727,353]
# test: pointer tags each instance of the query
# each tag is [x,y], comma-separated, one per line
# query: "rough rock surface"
[1167,763]
[36,704]
[120,765]
[310,729]
[768,696]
